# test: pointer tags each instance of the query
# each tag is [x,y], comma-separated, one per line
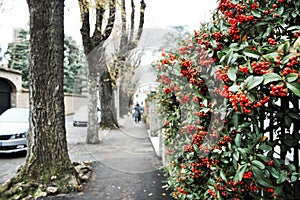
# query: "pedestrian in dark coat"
[137,113]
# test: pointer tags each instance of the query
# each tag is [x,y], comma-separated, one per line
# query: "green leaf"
[213,43]
[251,96]
[282,177]
[267,32]
[222,175]
[265,147]
[234,88]
[228,57]
[258,174]
[240,173]
[253,81]
[220,54]
[280,10]
[243,153]
[196,148]
[271,56]
[292,167]
[287,121]
[271,77]
[285,47]
[293,28]
[256,14]
[294,178]
[285,60]
[293,115]
[274,172]
[263,157]
[251,53]
[236,155]
[294,87]
[291,77]
[231,73]
[258,164]
[237,140]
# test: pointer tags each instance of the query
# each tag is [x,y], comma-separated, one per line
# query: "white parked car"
[14,125]
[80,117]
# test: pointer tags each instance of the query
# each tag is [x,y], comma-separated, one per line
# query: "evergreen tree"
[17,55]
[73,72]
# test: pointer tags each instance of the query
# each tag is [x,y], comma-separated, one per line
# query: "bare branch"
[124,38]
[97,36]
[132,21]
[85,29]
[142,19]
[123,15]
[111,20]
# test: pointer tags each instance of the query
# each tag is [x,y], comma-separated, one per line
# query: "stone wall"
[72,101]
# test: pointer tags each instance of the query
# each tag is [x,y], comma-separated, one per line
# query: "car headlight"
[18,135]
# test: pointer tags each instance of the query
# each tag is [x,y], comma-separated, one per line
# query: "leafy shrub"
[229,98]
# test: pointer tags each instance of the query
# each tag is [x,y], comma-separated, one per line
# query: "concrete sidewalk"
[125,164]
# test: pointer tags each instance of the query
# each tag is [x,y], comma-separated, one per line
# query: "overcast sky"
[158,14]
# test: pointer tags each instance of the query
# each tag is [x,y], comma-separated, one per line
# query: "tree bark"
[47,161]
[106,93]
[94,51]
[48,152]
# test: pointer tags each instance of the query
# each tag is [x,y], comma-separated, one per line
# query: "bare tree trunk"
[47,162]
[128,42]
[108,119]
[94,51]
[92,126]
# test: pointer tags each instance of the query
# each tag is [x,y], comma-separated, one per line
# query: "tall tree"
[94,51]
[17,55]
[47,162]
[73,64]
[127,61]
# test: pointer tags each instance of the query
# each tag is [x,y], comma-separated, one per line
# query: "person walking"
[137,113]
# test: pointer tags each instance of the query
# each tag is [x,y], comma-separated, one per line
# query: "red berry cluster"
[278,60]
[236,14]
[288,70]
[222,75]
[217,35]
[180,190]
[261,102]
[293,60]
[243,69]
[261,68]
[272,41]
[278,90]
[242,100]
[185,49]
[165,80]
[270,162]
[226,139]
[189,129]
[167,90]
[248,175]
[296,35]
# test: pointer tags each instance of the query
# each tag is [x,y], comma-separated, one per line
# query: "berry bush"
[229,99]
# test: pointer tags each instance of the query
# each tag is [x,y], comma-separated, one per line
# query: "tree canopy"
[17,55]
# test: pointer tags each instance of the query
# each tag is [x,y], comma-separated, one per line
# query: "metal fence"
[281,122]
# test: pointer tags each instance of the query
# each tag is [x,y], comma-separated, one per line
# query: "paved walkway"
[125,165]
